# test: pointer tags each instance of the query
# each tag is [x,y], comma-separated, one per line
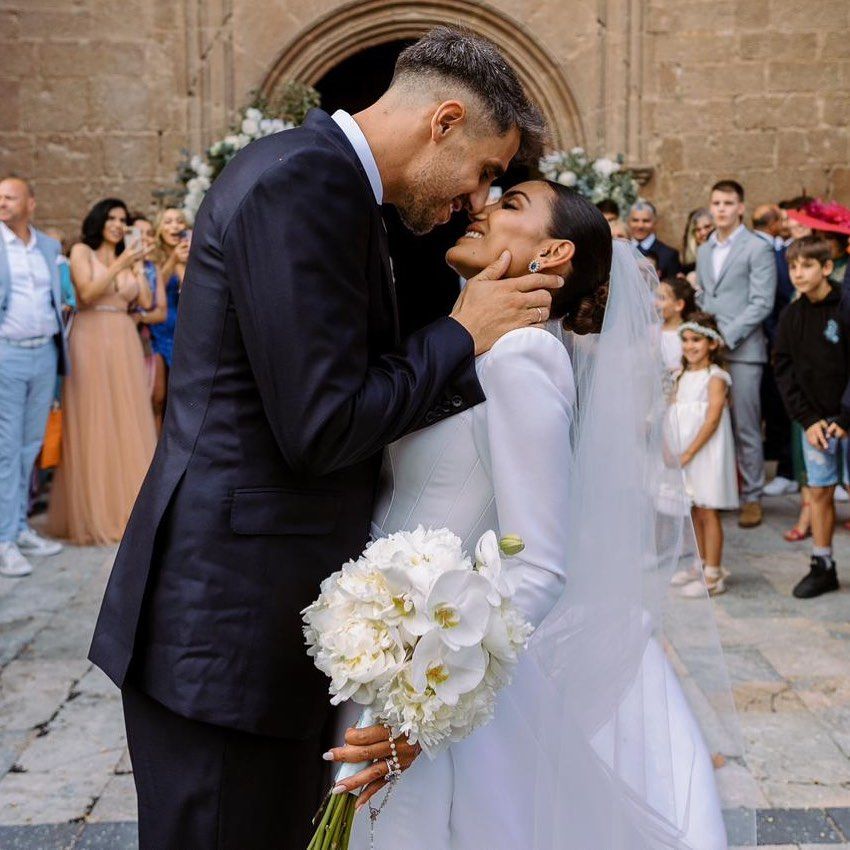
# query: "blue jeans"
[824,467]
[27,381]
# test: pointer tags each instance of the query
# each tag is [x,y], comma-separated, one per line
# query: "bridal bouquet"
[420,634]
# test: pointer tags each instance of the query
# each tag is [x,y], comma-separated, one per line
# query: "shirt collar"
[647,243]
[766,236]
[734,235]
[364,153]
[9,235]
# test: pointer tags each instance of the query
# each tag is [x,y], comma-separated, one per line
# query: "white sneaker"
[841,495]
[683,577]
[781,486]
[34,544]
[12,562]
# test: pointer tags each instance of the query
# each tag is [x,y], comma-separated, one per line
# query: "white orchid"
[488,562]
[447,672]
[457,608]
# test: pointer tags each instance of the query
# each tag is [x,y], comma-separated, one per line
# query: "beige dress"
[108,431]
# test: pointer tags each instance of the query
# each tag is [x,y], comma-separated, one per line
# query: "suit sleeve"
[296,253]
[796,404]
[761,297]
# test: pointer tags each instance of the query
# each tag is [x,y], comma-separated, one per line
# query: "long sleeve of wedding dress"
[523,438]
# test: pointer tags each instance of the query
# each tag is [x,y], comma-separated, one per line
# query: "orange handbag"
[51,449]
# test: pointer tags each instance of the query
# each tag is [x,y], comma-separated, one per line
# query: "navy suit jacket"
[668,258]
[784,293]
[289,378]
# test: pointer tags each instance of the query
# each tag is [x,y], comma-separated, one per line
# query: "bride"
[593,746]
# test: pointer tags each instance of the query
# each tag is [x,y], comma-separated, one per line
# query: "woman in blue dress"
[172,235]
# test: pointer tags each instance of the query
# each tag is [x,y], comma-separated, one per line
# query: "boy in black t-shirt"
[812,368]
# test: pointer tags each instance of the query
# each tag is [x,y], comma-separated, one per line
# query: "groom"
[289,378]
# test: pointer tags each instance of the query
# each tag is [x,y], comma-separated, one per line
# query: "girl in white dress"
[701,435]
[593,745]
[675,301]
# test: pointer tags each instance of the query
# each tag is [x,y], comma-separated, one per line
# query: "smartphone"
[133,239]
[185,235]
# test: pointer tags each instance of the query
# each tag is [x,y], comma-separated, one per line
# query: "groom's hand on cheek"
[491,305]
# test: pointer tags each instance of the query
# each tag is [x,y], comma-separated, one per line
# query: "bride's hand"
[370,744]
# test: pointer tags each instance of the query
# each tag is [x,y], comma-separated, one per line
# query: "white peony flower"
[568,178]
[250,127]
[605,166]
[577,151]
[232,141]
[253,114]
[445,671]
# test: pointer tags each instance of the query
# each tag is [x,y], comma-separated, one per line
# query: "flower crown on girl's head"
[702,330]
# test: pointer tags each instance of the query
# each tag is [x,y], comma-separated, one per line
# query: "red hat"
[830,217]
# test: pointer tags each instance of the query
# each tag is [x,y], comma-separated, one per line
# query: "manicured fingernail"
[328,756]
[338,789]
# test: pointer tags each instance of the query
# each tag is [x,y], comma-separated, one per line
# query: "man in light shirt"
[32,351]
[736,273]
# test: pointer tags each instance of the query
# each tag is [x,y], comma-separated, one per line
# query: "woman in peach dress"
[108,434]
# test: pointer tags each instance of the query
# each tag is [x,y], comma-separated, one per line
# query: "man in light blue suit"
[32,352]
[736,273]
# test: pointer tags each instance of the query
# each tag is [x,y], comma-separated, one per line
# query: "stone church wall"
[99,99]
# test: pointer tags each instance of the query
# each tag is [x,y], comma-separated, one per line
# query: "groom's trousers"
[205,787]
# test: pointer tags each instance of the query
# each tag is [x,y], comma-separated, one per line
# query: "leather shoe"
[821,579]
[751,515]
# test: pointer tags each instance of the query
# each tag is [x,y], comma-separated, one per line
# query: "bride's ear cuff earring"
[534,266]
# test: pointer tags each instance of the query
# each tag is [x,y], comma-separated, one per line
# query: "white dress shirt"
[720,250]
[647,243]
[364,153]
[30,312]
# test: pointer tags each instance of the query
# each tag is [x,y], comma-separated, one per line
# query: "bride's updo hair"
[581,302]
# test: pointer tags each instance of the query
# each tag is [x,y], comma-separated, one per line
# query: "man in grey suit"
[32,351]
[736,273]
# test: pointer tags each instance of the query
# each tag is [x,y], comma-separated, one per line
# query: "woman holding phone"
[108,434]
[172,246]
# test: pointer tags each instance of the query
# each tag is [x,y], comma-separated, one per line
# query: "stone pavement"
[66,782]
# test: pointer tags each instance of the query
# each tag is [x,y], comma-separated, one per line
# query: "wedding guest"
[736,276]
[768,225]
[697,230]
[812,361]
[838,253]
[702,434]
[619,229]
[172,230]
[158,310]
[108,433]
[610,209]
[674,299]
[32,352]
[642,223]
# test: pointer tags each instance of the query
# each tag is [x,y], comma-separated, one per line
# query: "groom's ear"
[556,253]
[448,116]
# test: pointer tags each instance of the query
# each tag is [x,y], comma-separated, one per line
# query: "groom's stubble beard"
[428,197]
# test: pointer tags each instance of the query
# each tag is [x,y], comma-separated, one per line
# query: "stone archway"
[359,25]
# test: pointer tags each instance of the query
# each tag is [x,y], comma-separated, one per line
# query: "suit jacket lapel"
[322,122]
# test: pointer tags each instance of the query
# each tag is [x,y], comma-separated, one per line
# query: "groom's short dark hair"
[464,57]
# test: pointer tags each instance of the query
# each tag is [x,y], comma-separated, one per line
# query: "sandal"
[795,535]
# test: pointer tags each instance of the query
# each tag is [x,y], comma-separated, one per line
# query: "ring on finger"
[541,315]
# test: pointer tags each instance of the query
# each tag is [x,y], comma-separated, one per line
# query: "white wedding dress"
[505,465]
